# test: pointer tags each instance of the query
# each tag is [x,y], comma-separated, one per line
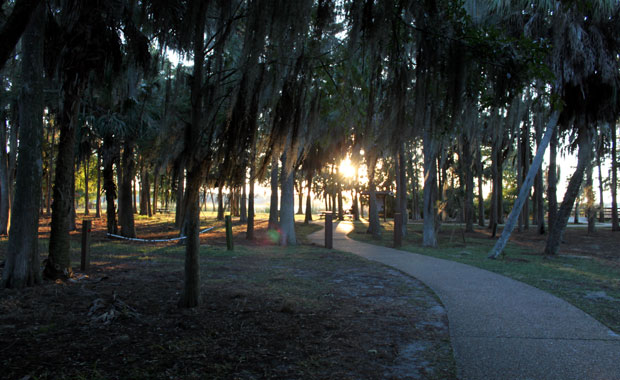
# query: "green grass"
[574,279]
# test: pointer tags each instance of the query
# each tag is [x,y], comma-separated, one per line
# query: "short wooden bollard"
[229,236]
[85,254]
[329,232]
[398,236]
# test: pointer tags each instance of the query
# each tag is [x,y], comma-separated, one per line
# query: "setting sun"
[346,168]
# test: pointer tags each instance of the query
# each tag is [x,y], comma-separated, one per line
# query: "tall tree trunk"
[374,226]
[308,217]
[538,181]
[526,166]
[109,156]
[480,169]
[59,259]
[50,168]
[4,180]
[196,172]
[339,195]
[145,187]
[402,192]
[429,238]
[590,199]
[273,204]
[22,266]
[86,172]
[98,202]
[300,196]
[179,212]
[494,213]
[250,227]
[243,211]
[287,202]
[552,181]
[601,206]
[220,201]
[615,226]
[191,228]
[572,191]
[467,164]
[156,191]
[525,189]
[125,216]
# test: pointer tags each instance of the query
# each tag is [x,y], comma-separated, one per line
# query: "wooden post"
[85,256]
[397,230]
[229,236]
[329,232]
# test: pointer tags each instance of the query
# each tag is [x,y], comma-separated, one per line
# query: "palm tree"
[22,263]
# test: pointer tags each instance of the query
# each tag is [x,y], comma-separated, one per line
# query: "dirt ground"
[267,313]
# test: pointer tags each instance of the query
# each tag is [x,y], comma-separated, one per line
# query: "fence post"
[398,238]
[329,232]
[229,236]
[85,254]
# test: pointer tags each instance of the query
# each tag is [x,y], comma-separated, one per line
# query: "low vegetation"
[586,273]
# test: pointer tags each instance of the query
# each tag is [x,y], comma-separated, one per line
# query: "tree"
[12,29]
[22,264]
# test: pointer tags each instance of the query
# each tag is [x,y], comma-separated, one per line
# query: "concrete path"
[501,328]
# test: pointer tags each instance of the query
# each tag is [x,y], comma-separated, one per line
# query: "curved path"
[501,328]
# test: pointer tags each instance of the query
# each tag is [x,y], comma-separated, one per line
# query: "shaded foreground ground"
[586,273]
[268,313]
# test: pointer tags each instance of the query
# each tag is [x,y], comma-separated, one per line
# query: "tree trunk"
[552,181]
[601,206]
[300,197]
[526,166]
[22,266]
[86,172]
[145,188]
[374,226]
[109,153]
[125,217]
[249,235]
[98,202]
[273,205]
[243,211]
[402,193]
[493,217]
[480,195]
[538,182]
[50,166]
[590,199]
[467,164]
[615,226]
[4,180]
[220,201]
[429,238]
[308,217]
[59,259]
[179,212]
[191,228]
[572,191]
[287,202]
[525,189]
[156,192]
[339,195]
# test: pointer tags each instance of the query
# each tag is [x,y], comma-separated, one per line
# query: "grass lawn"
[586,281]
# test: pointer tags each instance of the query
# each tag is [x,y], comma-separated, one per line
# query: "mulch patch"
[266,314]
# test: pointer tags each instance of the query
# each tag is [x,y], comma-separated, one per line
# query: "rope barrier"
[156,240]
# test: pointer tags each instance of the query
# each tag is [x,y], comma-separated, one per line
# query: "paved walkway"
[501,328]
